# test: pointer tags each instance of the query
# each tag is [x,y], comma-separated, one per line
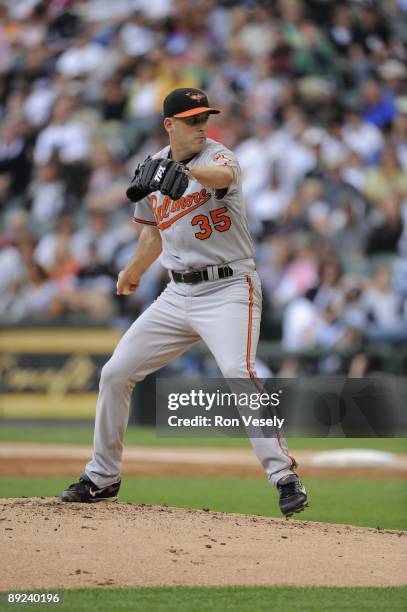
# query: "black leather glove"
[140,184]
[164,175]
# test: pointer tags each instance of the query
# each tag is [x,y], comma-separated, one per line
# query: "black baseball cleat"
[293,496]
[87,492]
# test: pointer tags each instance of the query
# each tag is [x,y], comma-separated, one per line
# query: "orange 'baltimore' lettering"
[182,206]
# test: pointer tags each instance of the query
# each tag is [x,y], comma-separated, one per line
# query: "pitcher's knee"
[113,376]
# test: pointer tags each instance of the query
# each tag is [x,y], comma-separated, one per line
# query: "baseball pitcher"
[189,198]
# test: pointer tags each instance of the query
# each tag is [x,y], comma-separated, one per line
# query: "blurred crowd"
[314,103]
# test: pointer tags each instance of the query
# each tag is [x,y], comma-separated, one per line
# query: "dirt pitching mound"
[49,544]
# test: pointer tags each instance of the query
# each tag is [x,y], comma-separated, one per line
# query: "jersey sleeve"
[143,212]
[221,156]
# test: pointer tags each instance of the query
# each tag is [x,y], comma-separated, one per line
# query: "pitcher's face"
[190,133]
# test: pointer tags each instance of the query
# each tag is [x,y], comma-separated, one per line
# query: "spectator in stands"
[387,226]
[387,322]
[82,57]
[362,137]
[98,234]
[386,179]
[46,249]
[378,104]
[69,140]
[32,296]
[15,168]
[47,195]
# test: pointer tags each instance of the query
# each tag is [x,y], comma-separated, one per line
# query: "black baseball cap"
[186,102]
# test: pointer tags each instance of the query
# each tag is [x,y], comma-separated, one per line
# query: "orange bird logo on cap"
[195,95]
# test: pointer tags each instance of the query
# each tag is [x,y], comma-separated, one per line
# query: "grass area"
[234,599]
[146,436]
[367,503]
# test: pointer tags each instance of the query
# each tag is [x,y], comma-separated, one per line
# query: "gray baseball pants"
[225,314]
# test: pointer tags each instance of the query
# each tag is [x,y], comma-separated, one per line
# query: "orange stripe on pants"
[248,357]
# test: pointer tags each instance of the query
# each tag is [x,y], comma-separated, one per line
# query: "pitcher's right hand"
[126,283]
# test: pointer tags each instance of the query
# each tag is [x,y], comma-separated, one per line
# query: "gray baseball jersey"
[205,226]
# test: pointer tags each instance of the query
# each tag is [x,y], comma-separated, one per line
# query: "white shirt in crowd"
[78,61]
[12,267]
[136,40]
[299,325]
[80,244]
[103,10]
[292,157]
[38,105]
[70,141]
[255,165]
[48,200]
[385,307]
[271,203]
[365,139]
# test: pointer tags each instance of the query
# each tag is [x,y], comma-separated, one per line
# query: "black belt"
[199,276]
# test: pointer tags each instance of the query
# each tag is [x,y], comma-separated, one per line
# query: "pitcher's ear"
[168,123]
